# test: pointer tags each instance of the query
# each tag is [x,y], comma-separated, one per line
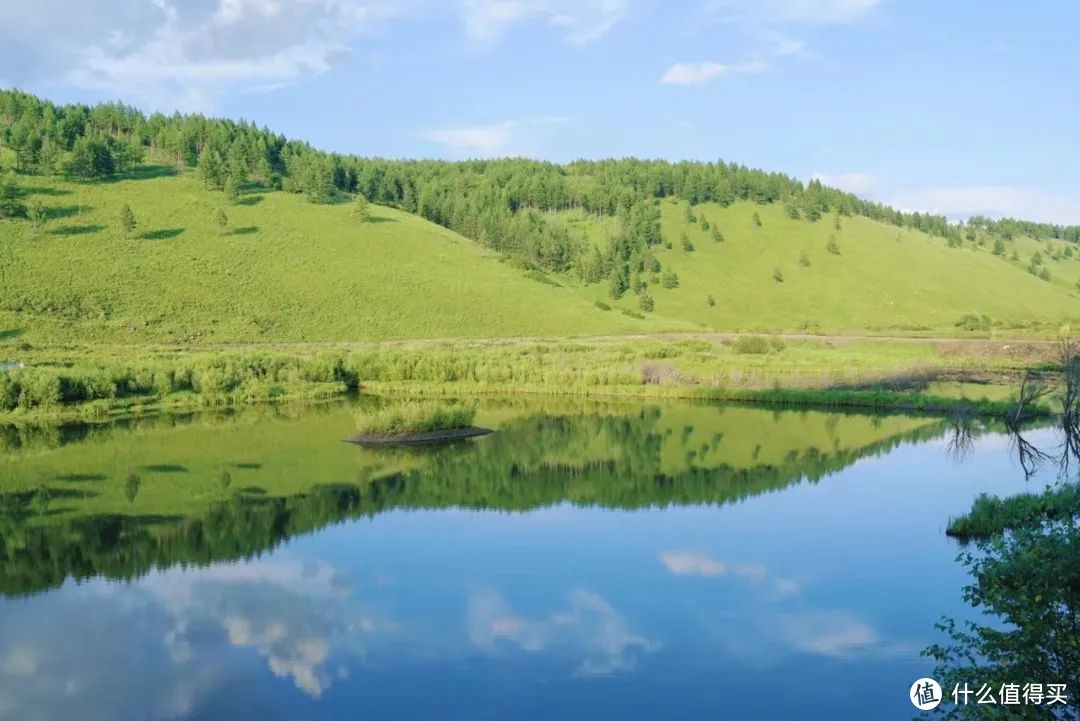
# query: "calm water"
[587,561]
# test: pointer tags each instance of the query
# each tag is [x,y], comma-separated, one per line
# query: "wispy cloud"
[511,137]
[590,626]
[996,201]
[696,563]
[188,55]
[778,12]
[962,202]
[579,21]
[698,73]
[859,183]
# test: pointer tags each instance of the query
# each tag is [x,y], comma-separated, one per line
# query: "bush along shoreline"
[110,390]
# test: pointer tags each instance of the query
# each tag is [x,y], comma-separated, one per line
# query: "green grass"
[884,280]
[109,381]
[290,271]
[285,270]
[413,417]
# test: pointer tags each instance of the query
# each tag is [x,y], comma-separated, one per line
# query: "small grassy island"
[416,423]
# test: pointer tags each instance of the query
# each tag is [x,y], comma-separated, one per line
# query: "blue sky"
[957,107]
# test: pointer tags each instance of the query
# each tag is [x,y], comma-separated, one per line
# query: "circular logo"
[925,694]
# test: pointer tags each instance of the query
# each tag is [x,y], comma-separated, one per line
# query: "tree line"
[503,204]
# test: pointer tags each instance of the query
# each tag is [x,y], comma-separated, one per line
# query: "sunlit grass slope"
[283,269]
[780,275]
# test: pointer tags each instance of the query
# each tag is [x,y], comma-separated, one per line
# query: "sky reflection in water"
[808,601]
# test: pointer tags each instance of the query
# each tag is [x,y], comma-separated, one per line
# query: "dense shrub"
[751,345]
[973,321]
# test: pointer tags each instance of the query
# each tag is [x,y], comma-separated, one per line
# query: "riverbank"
[931,376]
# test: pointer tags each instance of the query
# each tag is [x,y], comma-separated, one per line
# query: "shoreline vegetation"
[415,423]
[926,378]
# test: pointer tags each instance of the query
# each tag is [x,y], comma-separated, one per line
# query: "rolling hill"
[284,269]
[881,279]
[288,270]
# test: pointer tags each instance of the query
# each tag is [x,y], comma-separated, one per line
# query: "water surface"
[621,560]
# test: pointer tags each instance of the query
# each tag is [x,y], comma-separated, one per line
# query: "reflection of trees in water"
[1027,582]
[1025,570]
[611,461]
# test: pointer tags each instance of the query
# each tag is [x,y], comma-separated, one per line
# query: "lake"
[589,560]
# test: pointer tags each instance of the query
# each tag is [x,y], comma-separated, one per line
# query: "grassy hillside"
[883,279]
[284,269]
[288,270]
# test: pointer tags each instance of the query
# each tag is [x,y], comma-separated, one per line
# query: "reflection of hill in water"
[123,503]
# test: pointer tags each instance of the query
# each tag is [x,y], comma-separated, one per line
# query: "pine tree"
[804,259]
[687,244]
[127,221]
[757,220]
[10,207]
[646,303]
[710,301]
[212,169]
[778,275]
[361,210]
[717,234]
[221,221]
[617,282]
[832,246]
[35,211]
[999,247]
[231,188]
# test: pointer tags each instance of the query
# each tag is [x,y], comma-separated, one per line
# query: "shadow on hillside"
[80,477]
[10,333]
[248,466]
[66,230]
[45,190]
[253,199]
[145,172]
[245,230]
[165,468]
[382,219]
[56,212]
[163,234]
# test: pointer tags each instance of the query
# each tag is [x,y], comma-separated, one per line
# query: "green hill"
[474,249]
[284,269]
[881,279]
[288,270]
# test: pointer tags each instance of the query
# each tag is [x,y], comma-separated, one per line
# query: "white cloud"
[480,139]
[692,563]
[859,183]
[512,137]
[698,73]
[590,628]
[960,202]
[188,54]
[825,633]
[197,51]
[580,21]
[695,563]
[793,11]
